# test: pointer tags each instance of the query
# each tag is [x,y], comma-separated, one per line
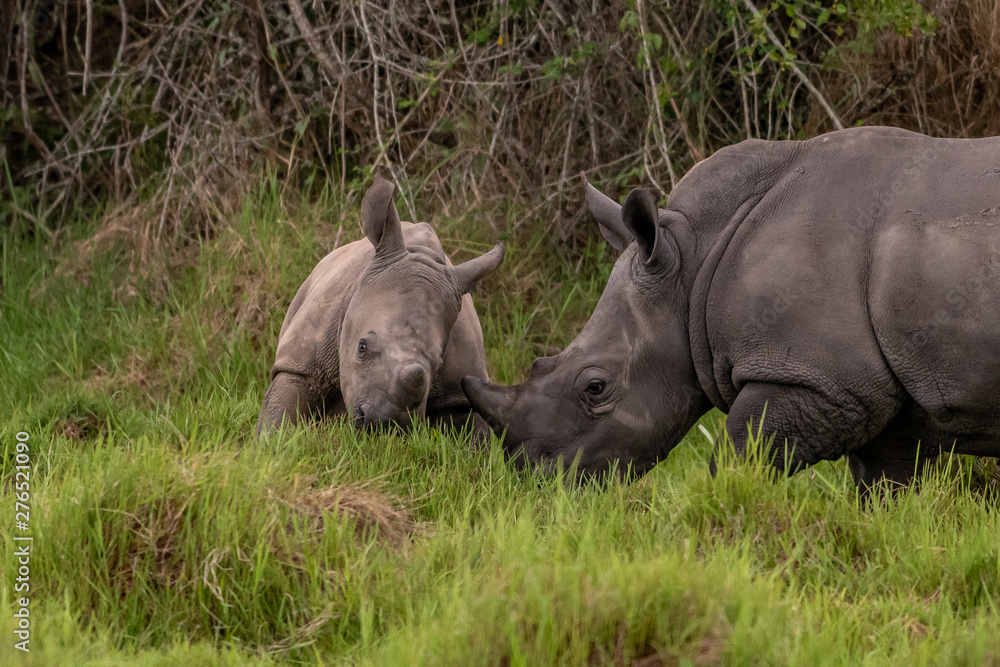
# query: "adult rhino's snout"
[491,401]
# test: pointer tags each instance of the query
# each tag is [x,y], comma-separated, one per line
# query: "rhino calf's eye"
[595,387]
[362,347]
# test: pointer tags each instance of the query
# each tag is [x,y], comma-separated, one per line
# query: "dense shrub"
[170,109]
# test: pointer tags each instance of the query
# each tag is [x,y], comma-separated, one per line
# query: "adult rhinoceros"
[850,284]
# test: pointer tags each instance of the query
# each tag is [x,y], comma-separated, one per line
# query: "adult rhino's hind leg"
[871,468]
[807,426]
[894,456]
[289,399]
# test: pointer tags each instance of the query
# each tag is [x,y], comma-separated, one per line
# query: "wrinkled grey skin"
[849,283]
[383,329]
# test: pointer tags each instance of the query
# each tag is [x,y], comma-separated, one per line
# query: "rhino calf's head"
[397,323]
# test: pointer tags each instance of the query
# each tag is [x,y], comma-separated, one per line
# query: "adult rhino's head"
[626,389]
[397,323]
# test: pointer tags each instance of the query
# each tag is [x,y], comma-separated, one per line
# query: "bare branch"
[795,68]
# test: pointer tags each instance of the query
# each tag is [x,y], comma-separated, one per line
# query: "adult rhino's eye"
[362,347]
[595,387]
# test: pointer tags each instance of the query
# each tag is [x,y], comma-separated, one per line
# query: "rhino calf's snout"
[413,376]
[411,385]
[363,414]
[369,418]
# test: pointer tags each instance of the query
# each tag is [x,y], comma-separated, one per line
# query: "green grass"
[164,534]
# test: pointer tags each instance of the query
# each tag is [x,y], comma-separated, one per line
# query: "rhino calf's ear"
[641,217]
[380,220]
[468,274]
[608,214]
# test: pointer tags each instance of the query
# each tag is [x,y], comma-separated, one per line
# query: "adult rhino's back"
[793,271]
[853,294]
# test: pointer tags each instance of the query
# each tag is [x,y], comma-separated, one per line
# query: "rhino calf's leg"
[815,427]
[289,399]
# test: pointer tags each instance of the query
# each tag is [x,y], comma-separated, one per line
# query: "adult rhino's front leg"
[807,425]
[291,398]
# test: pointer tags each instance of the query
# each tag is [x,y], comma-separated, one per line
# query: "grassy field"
[164,534]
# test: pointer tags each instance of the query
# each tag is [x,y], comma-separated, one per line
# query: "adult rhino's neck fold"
[715,198]
[720,191]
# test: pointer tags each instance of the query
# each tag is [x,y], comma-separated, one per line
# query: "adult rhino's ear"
[380,220]
[641,218]
[608,214]
[468,274]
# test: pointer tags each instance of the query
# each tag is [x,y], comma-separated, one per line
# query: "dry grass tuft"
[82,428]
[151,535]
[154,528]
[303,635]
[131,234]
[373,510]
[138,377]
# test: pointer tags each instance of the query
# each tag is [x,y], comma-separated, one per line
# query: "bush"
[170,110]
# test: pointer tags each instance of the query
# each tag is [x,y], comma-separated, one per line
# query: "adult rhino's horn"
[491,401]
[468,274]
[380,220]
[608,214]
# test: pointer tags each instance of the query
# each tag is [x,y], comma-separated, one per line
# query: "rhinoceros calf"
[383,329]
[850,284]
